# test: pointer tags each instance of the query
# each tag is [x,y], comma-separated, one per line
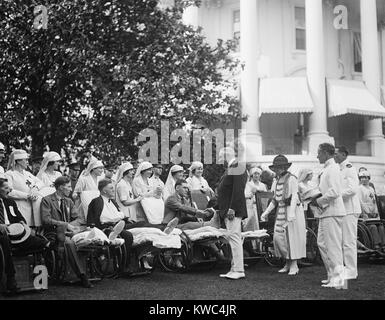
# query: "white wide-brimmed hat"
[18,232]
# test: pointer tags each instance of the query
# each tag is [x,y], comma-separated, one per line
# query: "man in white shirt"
[350,187]
[331,219]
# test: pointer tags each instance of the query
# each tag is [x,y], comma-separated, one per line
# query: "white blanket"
[157,237]
[205,232]
[255,234]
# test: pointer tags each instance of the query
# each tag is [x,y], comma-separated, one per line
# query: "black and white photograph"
[192,154]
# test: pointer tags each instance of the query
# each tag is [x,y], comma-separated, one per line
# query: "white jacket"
[350,186]
[330,186]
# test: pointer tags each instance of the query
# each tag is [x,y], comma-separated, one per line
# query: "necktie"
[63,209]
[2,217]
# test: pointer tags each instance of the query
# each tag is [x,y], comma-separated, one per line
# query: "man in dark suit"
[10,214]
[104,213]
[232,207]
[57,213]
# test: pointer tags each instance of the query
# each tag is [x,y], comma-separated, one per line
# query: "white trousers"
[349,245]
[330,245]
[235,240]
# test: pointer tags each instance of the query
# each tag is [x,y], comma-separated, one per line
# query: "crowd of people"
[117,199]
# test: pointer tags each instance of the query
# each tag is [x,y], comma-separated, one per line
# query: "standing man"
[232,206]
[2,156]
[331,219]
[350,187]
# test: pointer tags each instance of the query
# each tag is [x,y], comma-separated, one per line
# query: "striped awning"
[284,95]
[352,97]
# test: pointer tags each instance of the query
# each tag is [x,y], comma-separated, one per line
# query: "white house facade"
[314,72]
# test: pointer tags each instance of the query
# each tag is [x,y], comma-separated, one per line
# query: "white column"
[383,51]
[249,50]
[191,16]
[371,72]
[315,60]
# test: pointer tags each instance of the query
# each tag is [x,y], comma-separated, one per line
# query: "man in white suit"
[331,219]
[350,185]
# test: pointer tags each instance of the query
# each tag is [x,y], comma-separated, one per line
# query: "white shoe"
[235,275]
[171,226]
[325,281]
[118,228]
[293,271]
[336,282]
[225,275]
[284,269]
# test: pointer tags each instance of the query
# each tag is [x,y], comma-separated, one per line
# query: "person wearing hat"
[35,165]
[175,174]
[290,226]
[88,181]
[142,187]
[48,172]
[128,203]
[24,185]
[14,232]
[2,156]
[329,238]
[109,171]
[252,186]
[350,189]
[73,172]
[196,181]
[155,180]
[367,197]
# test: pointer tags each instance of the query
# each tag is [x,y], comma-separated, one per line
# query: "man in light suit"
[231,203]
[331,219]
[350,185]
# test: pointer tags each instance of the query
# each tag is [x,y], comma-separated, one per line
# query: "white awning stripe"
[352,97]
[284,95]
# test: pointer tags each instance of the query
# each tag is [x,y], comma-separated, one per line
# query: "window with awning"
[284,95]
[352,97]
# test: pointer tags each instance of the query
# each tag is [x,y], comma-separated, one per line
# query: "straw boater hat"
[280,161]
[18,232]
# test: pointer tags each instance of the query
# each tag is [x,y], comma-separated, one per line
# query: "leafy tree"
[104,70]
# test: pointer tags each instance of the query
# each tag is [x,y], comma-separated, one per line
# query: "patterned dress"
[280,240]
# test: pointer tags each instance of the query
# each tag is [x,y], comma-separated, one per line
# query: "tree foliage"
[102,71]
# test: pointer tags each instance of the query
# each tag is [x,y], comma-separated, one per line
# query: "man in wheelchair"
[15,234]
[59,216]
[179,206]
[370,212]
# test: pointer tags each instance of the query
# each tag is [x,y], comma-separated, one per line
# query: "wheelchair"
[366,241]
[25,262]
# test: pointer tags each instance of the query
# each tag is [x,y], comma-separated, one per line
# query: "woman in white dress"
[196,180]
[175,173]
[48,172]
[290,227]
[143,187]
[254,184]
[307,190]
[88,181]
[128,203]
[24,185]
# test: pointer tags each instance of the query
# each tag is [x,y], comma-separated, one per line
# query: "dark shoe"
[85,282]
[11,284]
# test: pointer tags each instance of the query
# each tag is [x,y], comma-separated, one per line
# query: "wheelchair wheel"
[268,249]
[50,263]
[175,260]
[364,235]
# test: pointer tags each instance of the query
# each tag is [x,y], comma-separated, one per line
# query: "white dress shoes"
[233,275]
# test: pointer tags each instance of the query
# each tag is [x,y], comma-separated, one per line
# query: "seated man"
[9,215]
[179,205]
[57,212]
[104,213]
[369,209]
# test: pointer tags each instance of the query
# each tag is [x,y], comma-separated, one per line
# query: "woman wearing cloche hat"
[290,228]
